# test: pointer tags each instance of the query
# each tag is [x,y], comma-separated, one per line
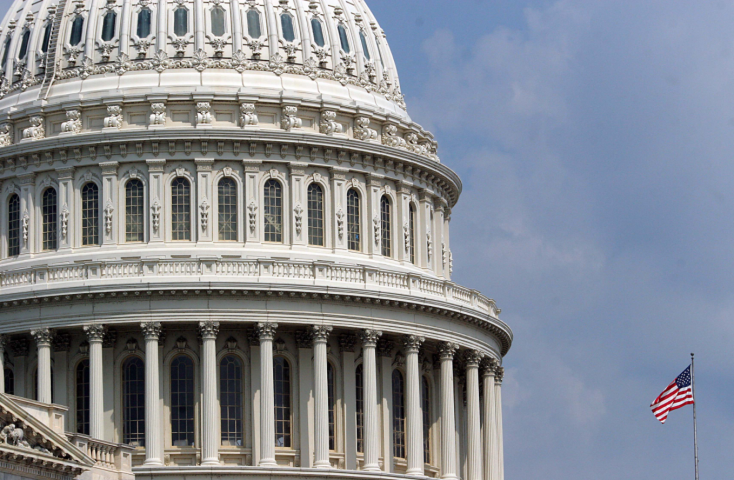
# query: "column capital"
[447,350]
[488,366]
[370,337]
[266,331]
[42,336]
[209,329]
[412,343]
[95,333]
[472,358]
[499,373]
[151,330]
[321,332]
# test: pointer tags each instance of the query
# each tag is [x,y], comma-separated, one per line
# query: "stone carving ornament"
[6,134]
[289,120]
[248,115]
[203,114]
[73,124]
[329,125]
[36,131]
[114,120]
[158,117]
[362,130]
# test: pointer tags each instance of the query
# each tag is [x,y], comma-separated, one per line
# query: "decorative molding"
[73,124]
[329,125]
[248,115]
[289,119]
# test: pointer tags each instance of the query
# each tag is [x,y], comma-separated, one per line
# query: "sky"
[595,140]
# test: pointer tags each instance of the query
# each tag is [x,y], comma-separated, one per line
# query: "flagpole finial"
[691,354]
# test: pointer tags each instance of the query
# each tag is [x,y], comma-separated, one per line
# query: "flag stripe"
[676,395]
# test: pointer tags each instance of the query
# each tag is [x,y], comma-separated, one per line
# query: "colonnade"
[484,412]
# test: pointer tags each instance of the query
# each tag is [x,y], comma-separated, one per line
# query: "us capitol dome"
[225,247]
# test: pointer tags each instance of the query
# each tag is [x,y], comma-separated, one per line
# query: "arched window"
[354,237]
[24,45]
[359,407]
[180,21]
[133,402]
[398,416]
[253,24]
[426,410]
[90,214]
[82,397]
[286,23]
[282,377]
[315,215]
[331,387]
[134,200]
[108,26]
[144,21]
[227,209]
[411,233]
[217,18]
[9,381]
[365,48]
[385,222]
[273,211]
[46,37]
[182,401]
[49,209]
[230,400]
[343,39]
[77,27]
[180,209]
[13,225]
[318,32]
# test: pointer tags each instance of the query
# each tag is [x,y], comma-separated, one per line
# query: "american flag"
[676,395]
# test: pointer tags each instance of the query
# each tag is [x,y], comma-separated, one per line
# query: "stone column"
[43,336]
[209,404]
[498,448]
[321,396]
[473,424]
[266,332]
[448,420]
[369,370]
[414,417]
[488,366]
[3,342]
[95,336]
[153,426]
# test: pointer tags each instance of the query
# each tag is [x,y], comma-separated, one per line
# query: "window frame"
[313,231]
[83,211]
[398,416]
[386,221]
[359,242]
[246,23]
[412,218]
[140,443]
[48,236]
[83,32]
[294,25]
[291,432]
[82,402]
[242,394]
[192,218]
[12,225]
[143,210]
[236,209]
[191,408]
[265,207]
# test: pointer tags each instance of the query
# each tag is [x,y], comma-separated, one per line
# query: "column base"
[153,462]
[267,462]
[210,462]
[416,472]
[449,477]
[322,464]
[371,468]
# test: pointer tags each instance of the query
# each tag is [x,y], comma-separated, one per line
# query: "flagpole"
[695,434]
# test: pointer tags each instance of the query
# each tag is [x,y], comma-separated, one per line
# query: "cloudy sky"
[595,140]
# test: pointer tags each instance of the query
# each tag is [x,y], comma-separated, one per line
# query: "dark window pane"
[426,409]
[180,21]
[14,225]
[318,32]
[286,22]
[46,37]
[82,397]
[227,209]
[411,238]
[217,17]
[181,209]
[359,408]
[386,220]
[108,26]
[77,26]
[134,211]
[90,214]
[343,38]
[253,24]
[144,21]
[282,377]
[398,417]
[353,221]
[182,401]
[365,48]
[230,395]
[133,402]
[332,405]
[50,218]
[24,44]
[9,382]
[315,215]
[273,211]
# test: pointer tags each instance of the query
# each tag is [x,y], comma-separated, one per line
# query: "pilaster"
[448,420]
[414,417]
[95,335]
[371,427]
[489,433]
[266,332]
[372,212]
[66,207]
[153,424]
[252,200]
[299,204]
[204,227]
[27,213]
[109,234]
[156,199]
[339,202]
[425,231]
[473,421]
[320,335]
[210,406]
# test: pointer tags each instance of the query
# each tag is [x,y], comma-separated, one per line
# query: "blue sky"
[595,140]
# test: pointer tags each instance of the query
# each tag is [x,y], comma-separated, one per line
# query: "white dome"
[330,50]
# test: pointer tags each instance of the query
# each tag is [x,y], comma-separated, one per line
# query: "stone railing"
[111,460]
[249,271]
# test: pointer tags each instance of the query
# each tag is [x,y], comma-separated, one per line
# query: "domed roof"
[324,50]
